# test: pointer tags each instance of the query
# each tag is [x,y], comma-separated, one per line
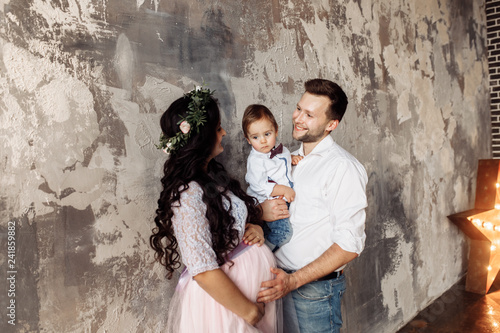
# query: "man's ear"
[332,124]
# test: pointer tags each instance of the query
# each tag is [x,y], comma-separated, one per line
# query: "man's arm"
[333,258]
[349,211]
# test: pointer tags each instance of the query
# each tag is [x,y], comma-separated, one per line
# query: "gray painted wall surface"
[83,83]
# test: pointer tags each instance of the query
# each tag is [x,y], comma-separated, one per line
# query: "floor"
[459,311]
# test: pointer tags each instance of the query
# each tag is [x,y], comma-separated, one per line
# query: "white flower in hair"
[185,127]
[167,148]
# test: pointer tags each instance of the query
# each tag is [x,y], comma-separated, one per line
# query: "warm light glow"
[483,223]
[495,324]
[488,225]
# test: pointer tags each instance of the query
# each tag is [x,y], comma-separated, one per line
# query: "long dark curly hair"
[187,164]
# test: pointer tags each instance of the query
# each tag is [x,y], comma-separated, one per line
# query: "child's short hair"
[255,112]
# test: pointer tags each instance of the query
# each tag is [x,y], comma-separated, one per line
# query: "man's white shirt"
[329,205]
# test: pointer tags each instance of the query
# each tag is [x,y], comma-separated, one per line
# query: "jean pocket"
[341,292]
[314,291]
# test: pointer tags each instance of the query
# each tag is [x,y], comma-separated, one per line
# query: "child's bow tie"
[277,150]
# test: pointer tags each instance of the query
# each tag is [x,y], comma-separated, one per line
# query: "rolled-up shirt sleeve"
[347,197]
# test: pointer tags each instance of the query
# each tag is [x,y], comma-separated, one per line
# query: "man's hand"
[274,209]
[275,289]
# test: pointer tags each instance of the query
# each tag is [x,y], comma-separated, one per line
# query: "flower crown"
[195,117]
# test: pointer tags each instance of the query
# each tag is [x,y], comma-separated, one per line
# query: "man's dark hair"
[327,88]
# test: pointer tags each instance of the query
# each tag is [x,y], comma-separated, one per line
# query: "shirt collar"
[259,153]
[321,148]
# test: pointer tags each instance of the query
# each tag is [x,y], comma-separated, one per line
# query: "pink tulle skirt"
[192,310]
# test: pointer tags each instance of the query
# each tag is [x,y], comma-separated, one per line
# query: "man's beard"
[309,136]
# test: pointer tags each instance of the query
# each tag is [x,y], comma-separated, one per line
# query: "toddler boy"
[268,169]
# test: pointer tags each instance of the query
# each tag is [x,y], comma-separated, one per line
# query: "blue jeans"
[317,306]
[277,233]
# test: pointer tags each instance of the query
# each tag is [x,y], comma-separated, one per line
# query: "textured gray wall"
[83,83]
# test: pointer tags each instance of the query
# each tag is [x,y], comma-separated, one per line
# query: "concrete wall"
[83,83]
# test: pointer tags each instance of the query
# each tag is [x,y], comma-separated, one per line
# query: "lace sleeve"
[193,231]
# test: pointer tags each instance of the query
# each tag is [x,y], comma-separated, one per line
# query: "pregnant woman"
[206,221]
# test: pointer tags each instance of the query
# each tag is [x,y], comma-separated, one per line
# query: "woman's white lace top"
[193,231]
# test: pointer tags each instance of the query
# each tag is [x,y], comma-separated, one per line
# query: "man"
[327,216]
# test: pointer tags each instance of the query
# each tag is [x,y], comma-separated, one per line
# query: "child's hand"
[296,159]
[284,191]
[289,194]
